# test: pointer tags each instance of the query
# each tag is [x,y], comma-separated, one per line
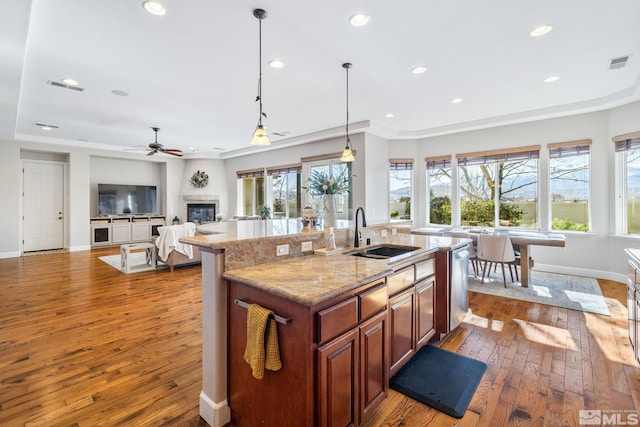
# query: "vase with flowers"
[322,184]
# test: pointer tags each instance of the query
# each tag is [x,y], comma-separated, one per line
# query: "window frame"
[494,158]
[437,163]
[402,165]
[622,145]
[570,146]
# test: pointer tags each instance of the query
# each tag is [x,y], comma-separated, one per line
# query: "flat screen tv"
[118,199]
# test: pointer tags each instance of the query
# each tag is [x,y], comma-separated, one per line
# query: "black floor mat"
[441,379]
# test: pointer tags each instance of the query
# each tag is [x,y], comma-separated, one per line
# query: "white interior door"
[43,206]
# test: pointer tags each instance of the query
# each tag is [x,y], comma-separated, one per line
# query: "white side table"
[125,257]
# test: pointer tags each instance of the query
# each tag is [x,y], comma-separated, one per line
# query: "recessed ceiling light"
[119,92]
[419,70]
[154,8]
[456,100]
[389,115]
[541,30]
[359,19]
[70,82]
[552,79]
[276,63]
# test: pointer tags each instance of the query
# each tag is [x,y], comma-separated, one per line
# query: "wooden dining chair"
[495,248]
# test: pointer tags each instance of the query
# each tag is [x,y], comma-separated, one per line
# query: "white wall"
[217,186]
[291,155]
[598,253]
[81,201]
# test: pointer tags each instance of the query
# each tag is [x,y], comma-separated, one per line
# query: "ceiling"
[194,71]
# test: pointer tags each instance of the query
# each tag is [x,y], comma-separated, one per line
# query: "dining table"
[519,238]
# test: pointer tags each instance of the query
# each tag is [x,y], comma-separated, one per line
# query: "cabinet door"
[374,383]
[425,318]
[401,329]
[140,231]
[338,381]
[121,233]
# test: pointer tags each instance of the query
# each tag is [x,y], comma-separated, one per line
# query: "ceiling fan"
[156,147]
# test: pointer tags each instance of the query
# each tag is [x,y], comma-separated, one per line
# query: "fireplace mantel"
[200,197]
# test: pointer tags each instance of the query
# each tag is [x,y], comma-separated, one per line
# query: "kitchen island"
[310,282]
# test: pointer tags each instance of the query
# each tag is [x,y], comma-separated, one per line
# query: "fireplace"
[200,213]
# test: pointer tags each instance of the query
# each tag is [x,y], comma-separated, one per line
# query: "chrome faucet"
[357,236]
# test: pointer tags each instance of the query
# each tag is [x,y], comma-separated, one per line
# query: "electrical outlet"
[383,233]
[306,246]
[394,231]
[282,250]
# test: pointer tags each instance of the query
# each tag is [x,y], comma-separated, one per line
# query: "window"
[569,185]
[400,173]
[439,188]
[628,149]
[333,168]
[250,191]
[285,191]
[499,188]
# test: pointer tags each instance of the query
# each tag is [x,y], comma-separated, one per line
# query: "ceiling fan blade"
[175,150]
[151,153]
[177,153]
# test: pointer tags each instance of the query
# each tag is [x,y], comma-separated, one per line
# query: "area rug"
[135,259]
[560,290]
[441,379]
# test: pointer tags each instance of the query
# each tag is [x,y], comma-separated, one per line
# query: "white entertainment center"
[121,229]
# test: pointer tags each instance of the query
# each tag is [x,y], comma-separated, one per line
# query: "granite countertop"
[312,279]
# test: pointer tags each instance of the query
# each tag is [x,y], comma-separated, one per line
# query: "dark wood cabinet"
[334,360]
[401,328]
[411,312]
[338,367]
[633,300]
[337,356]
[374,372]
[425,318]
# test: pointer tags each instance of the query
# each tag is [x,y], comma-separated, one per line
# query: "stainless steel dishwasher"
[458,285]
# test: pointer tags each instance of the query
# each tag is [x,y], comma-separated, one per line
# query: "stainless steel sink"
[389,252]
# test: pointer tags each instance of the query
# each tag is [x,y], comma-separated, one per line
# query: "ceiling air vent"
[52,83]
[617,63]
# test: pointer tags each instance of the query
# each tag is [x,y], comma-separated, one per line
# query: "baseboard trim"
[9,255]
[585,272]
[216,414]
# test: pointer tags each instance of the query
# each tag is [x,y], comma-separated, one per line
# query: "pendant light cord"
[260,68]
[347,127]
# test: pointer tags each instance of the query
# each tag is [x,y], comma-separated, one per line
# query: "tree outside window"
[499,188]
[439,187]
[569,185]
[400,182]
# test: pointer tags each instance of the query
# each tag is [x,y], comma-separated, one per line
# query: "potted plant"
[264,211]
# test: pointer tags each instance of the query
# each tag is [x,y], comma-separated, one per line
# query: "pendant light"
[347,154]
[260,135]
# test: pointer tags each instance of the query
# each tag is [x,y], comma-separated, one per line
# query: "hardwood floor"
[83,344]
[544,365]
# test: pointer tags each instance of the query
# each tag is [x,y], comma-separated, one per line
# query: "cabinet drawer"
[425,269]
[400,280]
[373,301]
[337,319]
